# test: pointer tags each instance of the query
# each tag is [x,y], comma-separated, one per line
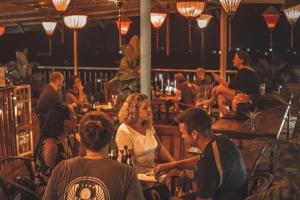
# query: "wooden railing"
[94,77]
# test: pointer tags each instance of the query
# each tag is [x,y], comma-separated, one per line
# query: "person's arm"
[220,80]
[50,152]
[177,96]
[73,98]
[189,163]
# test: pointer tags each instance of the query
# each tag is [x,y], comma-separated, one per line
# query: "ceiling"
[16,15]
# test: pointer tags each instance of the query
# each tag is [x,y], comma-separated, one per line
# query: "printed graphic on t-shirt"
[86,188]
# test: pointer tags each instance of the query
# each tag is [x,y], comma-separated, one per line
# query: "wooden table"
[270,125]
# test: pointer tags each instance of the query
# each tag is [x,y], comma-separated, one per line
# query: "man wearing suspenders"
[221,172]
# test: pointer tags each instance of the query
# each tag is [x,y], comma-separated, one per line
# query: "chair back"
[170,136]
[17,178]
[258,183]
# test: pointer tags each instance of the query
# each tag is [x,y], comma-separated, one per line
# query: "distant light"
[270,49]
[294,52]
[219,52]
[248,49]
[238,49]
[98,80]
[266,53]
[120,51]
[214,51]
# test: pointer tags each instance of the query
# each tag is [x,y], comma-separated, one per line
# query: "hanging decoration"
[158,17]
[230,7]
[271,16]
[75,20]
[202,22]
[49,25]
[291,10]
[190,9]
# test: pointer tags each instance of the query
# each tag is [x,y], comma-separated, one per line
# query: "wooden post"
[75,53]
[223,43]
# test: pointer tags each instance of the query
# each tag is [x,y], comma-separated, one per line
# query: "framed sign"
[2,77]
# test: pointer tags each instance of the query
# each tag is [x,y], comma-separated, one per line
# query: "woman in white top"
[137,132]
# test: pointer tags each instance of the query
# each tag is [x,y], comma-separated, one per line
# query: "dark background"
[98,44]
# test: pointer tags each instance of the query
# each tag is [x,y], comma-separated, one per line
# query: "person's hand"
[165,167]
[73,105]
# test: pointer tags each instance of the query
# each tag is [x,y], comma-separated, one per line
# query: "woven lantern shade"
[230,6]
[157,19]
[190,9]
[203,20]
[49,25]
[124,24]
[61,5]
[271,16]
[291,9]
[2,30]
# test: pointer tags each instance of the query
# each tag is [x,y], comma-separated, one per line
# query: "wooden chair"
[258,183]
[173,135]
[17,178]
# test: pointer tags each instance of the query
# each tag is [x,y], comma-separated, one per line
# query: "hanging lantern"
[292,13]
[271,16]
[124,24]
[230,6]
[203,20]
[158,16]
[75,20]
[157,19]
[190,9]
[2,30]
[61,5]
[49,25]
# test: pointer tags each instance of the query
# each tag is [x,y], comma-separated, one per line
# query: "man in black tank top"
[245,81]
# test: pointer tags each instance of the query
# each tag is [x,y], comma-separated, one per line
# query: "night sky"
[98,45]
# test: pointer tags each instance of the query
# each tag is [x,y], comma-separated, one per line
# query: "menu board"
[2,77]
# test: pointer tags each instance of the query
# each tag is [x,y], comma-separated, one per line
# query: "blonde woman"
[137,132]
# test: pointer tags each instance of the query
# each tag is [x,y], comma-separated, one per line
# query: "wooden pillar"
[75,53]
[145,29]
[223,43]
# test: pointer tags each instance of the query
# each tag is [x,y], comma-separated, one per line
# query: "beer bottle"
[129,160]
[125,155]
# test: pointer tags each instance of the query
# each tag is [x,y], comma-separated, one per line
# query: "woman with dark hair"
[94,176]
[75,92]
[50,148]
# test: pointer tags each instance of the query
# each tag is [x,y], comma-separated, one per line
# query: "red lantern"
[125,24]
[2,30]
[271,16]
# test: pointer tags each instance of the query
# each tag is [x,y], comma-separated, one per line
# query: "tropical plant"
[253,118]
[273,72]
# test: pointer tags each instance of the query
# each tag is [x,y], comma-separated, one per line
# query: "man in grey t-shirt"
[103,179]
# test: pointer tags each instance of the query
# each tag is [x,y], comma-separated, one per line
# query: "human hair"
[179,77]
[244,56]
[55,76]
[71,81]
[200,69]
[55,121]
[129,112]
[96,130]
[196,119]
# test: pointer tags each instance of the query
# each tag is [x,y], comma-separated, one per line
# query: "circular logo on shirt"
[86,188]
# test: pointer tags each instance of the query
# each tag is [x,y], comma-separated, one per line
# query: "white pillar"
[223,43]
[145,29]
